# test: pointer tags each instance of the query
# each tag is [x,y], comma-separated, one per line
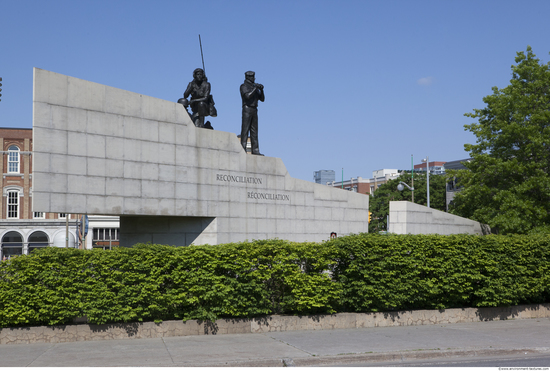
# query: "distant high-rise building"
[324,176]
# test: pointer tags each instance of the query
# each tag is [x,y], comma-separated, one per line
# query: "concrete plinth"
[409,218]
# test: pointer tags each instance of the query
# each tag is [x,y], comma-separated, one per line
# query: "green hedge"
[403,272]
[359,273]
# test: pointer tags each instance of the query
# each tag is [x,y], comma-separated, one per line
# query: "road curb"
[408,356]
[397,357]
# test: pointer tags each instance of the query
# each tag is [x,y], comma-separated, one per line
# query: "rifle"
[202,57]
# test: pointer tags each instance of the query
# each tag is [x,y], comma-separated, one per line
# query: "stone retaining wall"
[139,330]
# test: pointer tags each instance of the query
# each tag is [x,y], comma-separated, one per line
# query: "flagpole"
[412,178]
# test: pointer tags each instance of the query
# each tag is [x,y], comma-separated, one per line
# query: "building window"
[106,234]
[38,215]
[12,245]
[13,159]
[13,204]
[37,240]
[63,216]
[105,237]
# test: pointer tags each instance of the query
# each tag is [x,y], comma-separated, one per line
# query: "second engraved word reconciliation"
[269,196]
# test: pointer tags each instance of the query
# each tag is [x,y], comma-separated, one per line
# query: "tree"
[507,184]
[379,203]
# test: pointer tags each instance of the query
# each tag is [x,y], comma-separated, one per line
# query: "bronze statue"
[250,94]
[202,103]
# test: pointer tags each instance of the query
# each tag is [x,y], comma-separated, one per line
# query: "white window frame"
[63,216]
[98,234]
[14,160]
[38,215]
[12,208]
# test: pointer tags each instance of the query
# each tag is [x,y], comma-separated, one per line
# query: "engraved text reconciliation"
[238,179]
[252,180]
[268,196]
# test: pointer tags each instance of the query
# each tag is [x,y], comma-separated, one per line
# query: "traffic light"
[370,216]
[0,89]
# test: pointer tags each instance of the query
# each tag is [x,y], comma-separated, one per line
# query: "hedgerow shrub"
[359,273]
[154,282]
[392,272]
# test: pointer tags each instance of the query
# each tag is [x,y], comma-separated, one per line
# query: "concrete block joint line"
[268,324]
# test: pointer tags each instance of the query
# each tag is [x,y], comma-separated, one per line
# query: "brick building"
[436,167]
[22,229]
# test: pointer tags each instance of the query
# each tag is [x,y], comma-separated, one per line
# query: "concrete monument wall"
[102,150]
[410,218]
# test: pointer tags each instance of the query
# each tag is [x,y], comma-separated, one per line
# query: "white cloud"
[425,81]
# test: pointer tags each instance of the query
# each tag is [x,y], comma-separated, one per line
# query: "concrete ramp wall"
[102,150]
[410,218]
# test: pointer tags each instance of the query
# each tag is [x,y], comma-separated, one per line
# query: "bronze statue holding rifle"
[251,93]
[201,102]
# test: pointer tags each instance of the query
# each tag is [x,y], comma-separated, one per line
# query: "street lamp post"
[427,161]
[400,188]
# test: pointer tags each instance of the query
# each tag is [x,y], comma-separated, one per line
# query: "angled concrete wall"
[410,218]
[102,150]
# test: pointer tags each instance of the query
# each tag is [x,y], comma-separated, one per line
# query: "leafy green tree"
[379,203]
[507,184]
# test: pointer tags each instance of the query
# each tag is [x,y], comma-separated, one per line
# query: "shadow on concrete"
[315,317]
[393,315]
[263,321]
[130,328]
[210,328]
[500,313]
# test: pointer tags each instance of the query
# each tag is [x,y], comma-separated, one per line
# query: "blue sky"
[359,85]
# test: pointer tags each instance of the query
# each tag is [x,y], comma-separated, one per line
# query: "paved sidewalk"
[295,348]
